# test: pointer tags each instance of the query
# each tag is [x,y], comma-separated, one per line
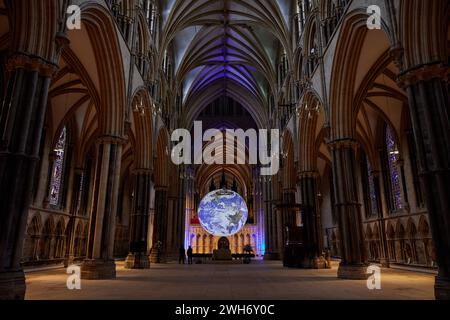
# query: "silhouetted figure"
[327,256]
[223,181]
[189,254]
[182,256]
[234,186]
[212,186]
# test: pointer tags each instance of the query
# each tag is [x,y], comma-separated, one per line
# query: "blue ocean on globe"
[222,213]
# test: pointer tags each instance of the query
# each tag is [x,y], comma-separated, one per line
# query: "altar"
[223,252]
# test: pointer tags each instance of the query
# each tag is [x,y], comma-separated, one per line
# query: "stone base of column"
[12,285]
[98,269]
[157,256]
[384,263]
[319,263]
[68,261]
[171,256]
[137,260]
[353,272]
[442,288]
[310,263]
[271,256]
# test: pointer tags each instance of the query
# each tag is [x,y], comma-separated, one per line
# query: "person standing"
[182,256]
[189,254]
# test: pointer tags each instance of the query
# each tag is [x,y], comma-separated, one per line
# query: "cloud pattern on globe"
[222,213]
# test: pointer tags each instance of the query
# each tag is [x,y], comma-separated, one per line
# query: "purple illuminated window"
[58,168]
[393,155]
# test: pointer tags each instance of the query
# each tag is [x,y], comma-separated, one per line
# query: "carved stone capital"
[142,171]
[345,143]
[23,61]
[62,40]
[289,191]
[423,73]
[307,174]
[111,139]
[161,188]
[397,53]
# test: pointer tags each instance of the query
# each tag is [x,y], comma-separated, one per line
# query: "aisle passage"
[260,280]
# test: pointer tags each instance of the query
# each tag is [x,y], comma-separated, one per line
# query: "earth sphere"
[222,213]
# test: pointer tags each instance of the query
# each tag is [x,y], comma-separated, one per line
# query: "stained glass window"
[371,186]
[80,191]
[392,157]
[58,169]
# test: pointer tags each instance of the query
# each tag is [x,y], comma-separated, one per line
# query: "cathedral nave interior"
[86,175]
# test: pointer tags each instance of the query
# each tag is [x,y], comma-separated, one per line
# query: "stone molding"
[30,63]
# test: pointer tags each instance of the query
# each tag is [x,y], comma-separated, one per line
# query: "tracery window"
[368,181]
[393,172]
[148,8]
[153,21]
[56,184]
[301,17]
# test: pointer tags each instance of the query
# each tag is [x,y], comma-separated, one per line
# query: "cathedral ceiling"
[225,46]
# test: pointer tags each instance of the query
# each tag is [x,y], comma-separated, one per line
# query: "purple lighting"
[393,156]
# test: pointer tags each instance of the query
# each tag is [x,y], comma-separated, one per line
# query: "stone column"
[272,252]
[99,263]
[74,208]
[182,211]
[428,93]
[189,205]
[384,258]
[286,217]
[171,239]
[311,220]
[160,225]
[138,258]
[267,223]
[348,210]
[261,244]
[21,122]
[151,218]
[289,211]
[279,231]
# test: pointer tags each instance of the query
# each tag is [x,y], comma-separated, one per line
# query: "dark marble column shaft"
[271,237]
[21,124]
[348,209]
[74,208]
[384,252]
[160,225]
[311,219]
[137,258]
[428,93]
[287,215]
[99,263]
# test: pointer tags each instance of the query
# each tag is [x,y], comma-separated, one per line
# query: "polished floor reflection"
[260,280]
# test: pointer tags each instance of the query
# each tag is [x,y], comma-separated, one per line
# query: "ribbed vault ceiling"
[226,47]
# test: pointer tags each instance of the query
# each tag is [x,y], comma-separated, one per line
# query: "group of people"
[182,258]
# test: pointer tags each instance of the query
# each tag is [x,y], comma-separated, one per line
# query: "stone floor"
[257,281]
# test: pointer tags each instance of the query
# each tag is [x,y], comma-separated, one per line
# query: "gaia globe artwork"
[222,213]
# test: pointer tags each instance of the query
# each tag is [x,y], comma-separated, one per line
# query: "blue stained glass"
[58,166]
[372,192]
[393,156]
